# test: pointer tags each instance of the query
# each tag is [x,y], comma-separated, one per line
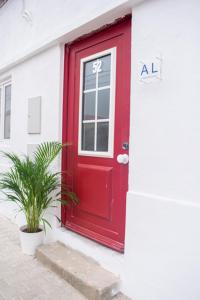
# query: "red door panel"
[91,183]
[96,124]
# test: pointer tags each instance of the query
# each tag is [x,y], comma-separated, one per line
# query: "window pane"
[88,136]
[104,74]
[102,136]
[7,112]
[89,78]
[103,104]
[89,106]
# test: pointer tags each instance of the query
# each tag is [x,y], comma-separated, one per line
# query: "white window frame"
[112,86]
[3,85]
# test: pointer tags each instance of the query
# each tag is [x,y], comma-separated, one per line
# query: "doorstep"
[82,272]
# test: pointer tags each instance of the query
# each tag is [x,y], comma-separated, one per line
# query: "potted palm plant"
[34,188]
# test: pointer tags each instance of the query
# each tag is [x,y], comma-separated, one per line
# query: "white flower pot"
[30,241]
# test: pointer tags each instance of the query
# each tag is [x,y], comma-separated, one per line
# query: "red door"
[96,124]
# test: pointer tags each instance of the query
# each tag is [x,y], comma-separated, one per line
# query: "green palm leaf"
[32,186]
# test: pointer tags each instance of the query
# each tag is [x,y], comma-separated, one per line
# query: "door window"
[97,95]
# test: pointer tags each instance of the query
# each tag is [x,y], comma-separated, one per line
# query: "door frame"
[85,232]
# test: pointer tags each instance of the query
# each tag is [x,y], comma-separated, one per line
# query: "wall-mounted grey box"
[34,115]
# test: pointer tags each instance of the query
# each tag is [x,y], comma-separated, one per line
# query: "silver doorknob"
[122,159]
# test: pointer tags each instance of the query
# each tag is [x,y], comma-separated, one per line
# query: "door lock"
[125,146]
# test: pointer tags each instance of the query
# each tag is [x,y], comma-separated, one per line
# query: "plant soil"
[25,230]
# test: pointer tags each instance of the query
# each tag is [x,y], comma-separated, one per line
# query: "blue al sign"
[150,70]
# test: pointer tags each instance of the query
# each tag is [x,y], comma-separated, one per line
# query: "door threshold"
[98,238]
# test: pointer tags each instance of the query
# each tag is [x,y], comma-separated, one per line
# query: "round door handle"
[122,158]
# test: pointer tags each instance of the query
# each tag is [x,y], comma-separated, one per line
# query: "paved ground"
[23,277]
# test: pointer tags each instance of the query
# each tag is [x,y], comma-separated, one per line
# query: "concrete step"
[83,273]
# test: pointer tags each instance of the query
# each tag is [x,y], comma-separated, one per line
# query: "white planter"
[30,241]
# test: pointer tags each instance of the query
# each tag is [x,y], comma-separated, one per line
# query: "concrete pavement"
[22,277]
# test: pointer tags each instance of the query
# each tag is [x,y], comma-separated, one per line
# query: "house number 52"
[96,67]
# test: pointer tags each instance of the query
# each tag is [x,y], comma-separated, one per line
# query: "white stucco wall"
[51,21]
[162,254]
[163,205]
[39,76]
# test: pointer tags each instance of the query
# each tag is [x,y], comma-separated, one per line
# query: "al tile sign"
[150,70]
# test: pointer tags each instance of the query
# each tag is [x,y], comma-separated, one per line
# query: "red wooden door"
[96,124]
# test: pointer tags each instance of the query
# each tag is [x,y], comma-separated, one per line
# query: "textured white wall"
[163,206]
[50,21]
[165,115]
[38,76]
